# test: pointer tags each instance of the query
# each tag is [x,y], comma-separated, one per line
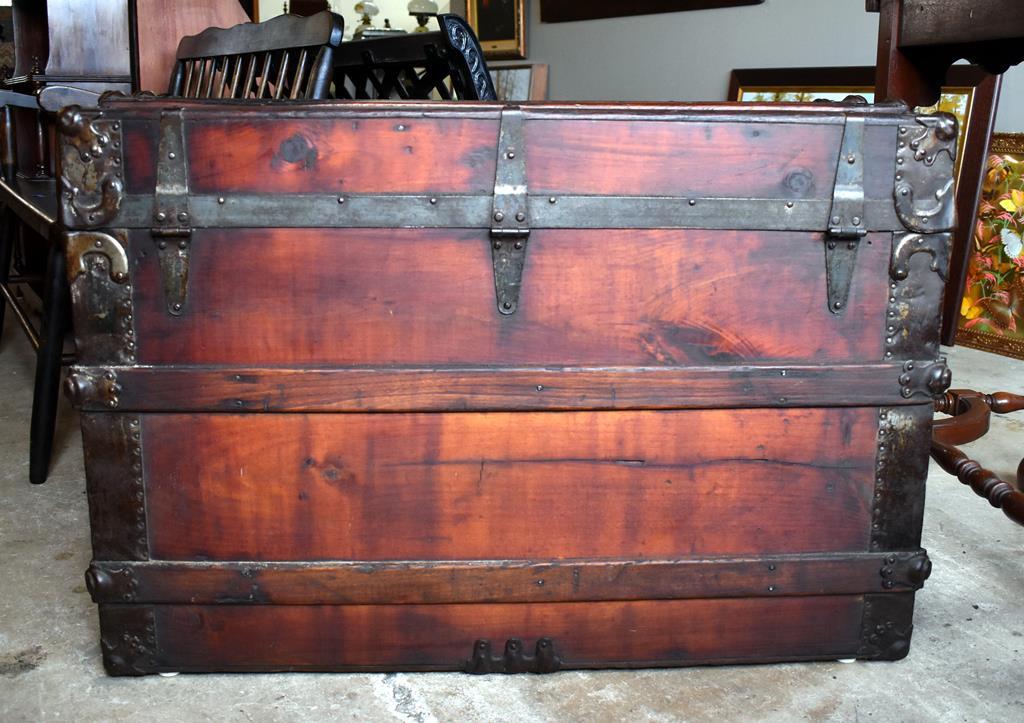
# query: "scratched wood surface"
[383,297]
[505,581]
[623,634]
[456,153]
[508,485]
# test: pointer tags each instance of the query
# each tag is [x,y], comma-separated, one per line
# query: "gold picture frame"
[992,310]
[500,26]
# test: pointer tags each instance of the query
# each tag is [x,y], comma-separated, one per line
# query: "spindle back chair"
[287,57]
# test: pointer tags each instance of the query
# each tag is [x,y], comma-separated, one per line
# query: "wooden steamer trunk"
[499,389]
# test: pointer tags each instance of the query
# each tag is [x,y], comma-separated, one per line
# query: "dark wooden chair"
[286,57]
[971,413]
[918,42]
[443,65]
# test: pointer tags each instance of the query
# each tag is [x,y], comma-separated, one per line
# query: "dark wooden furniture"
[970,416]
[287,57]
[431,386]
[918,42]
[284,57]
[443,65]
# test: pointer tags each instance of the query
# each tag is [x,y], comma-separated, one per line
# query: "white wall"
[688,55]
[397,11]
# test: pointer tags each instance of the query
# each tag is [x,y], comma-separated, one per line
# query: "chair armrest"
[19,100]
[54,97]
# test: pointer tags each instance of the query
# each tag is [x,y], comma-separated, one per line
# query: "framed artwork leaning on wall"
[992,310]
[500,26]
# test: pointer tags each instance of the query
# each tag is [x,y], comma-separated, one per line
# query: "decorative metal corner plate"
[128,639]
[887,626]
[901,466]
[913,311]
[99,273]
[938,246]
[483,660]
[91,177]
[925,158]
[81,244]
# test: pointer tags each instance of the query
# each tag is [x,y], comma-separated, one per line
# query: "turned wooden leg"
[46,392]
[970,421]
[7,233]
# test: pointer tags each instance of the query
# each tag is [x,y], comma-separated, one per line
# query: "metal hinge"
[510,212]
[847,224]
[172,218]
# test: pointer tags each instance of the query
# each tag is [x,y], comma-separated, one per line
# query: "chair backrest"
[285,57]
[442,65]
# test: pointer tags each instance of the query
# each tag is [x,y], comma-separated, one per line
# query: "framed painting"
[970,94]
[520,81]
[500,25]
[561,11]
[992,309]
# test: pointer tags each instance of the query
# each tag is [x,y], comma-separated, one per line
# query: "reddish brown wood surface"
[589,298]
[410,637]
[449,152]
[508,485]
[220,389]
[745,160]
[370,155]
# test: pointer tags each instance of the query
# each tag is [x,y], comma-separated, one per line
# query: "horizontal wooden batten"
[474,211]
[221,389]
[428,583]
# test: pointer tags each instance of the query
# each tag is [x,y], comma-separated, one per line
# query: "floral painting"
[992,311]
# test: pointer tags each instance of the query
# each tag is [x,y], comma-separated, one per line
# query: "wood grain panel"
[757,160]
[744,159]
[359,155]
[500,581]
[508,485]
[589,298]
[226,389]
[441,637]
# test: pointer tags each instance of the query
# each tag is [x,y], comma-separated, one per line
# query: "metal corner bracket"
[81,244]
[925,157]
[91,175]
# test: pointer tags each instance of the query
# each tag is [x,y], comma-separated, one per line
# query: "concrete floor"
[965,662]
